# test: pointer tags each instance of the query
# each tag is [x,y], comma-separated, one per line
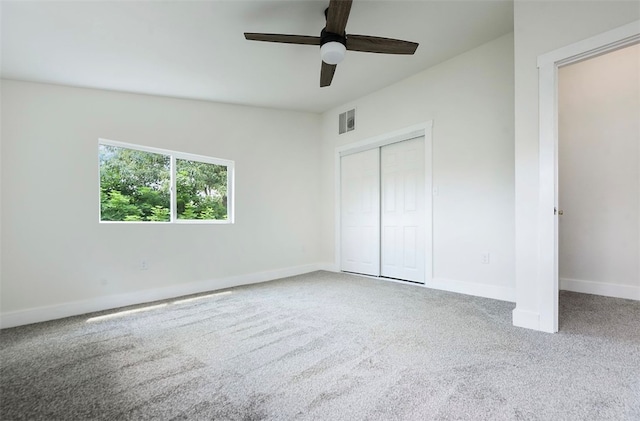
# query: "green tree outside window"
[135,185]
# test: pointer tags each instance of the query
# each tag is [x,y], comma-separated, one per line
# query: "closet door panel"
[402,213]
[360,212]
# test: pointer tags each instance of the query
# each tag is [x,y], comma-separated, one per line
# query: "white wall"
[56,252]
[599,175]
[470,100]
[540,27]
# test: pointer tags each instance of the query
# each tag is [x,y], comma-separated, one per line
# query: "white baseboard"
[468,288]
[75,308]
[630,292]
[526,319]
[471,288]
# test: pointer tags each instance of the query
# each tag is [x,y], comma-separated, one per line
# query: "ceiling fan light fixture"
[332,52]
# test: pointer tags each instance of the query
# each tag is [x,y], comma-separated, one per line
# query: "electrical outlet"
[484,258]
[144,265]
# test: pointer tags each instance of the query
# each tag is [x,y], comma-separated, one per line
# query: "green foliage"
[135,186]
[201,190]
[207,213]
[189,211]
[117,207]
[158,213]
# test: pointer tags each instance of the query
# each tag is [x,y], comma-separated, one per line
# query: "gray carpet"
[327,346]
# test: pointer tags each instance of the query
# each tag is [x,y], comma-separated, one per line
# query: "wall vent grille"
[347,121]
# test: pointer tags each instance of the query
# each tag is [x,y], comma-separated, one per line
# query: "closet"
[382,211]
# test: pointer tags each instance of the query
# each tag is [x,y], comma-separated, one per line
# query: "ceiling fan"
[334,42]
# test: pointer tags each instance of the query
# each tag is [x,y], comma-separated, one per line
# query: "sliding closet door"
[403,210]
[360,212]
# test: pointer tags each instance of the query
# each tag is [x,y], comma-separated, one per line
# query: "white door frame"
[423,129]
[548,65]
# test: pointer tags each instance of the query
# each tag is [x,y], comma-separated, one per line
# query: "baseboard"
[630,292]
[76,308]
[526,319]
[471,288]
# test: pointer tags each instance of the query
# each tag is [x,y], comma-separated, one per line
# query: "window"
[143,184]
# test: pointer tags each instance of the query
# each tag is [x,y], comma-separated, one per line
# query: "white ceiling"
[196,49]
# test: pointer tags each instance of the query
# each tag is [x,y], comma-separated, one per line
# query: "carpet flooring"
[326,346]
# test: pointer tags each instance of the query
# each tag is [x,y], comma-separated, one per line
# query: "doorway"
[548,65]
[599,174]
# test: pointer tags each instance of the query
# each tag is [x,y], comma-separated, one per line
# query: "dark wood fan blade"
[326,74]
[287,39]
[380,45]
[337,16]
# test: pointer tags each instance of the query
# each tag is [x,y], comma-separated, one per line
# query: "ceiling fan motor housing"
[331,37]
[332,47]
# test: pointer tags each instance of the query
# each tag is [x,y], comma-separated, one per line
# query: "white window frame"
[173,155]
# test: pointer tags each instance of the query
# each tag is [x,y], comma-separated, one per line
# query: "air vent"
[347,121]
